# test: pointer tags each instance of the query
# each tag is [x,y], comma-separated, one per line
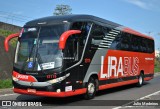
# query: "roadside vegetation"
[5,33]
[157,65]
[6,83]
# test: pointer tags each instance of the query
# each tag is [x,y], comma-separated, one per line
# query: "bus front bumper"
[50,94]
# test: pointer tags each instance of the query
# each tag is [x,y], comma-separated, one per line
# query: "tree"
[62,10]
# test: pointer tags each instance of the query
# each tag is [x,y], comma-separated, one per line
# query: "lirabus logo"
[122,66]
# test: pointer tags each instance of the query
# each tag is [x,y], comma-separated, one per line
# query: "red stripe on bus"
[148,78]
[107,86]
[22,77]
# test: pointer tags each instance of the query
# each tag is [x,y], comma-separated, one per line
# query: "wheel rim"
[140,80]
[91,88]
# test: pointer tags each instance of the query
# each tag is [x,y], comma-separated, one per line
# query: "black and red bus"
[62,56]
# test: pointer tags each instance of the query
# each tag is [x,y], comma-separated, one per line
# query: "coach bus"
[61,56]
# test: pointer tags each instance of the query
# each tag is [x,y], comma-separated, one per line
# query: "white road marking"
[156,74]
[7,95]
[147,96]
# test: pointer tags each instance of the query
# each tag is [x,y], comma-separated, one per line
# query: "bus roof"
[70,18]
[73,18]
[131,31]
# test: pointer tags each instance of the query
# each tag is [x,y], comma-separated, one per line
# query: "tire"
[140,80]
[91,89]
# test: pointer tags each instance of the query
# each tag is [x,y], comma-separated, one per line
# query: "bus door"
[79,42]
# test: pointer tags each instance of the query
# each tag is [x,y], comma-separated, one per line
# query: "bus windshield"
[38,49]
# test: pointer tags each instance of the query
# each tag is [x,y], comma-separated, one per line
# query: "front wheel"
[91,89]
[140,80]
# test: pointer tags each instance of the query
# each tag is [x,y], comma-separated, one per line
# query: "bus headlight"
[58,79]
[14,78]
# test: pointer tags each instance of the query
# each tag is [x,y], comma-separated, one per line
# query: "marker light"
[58,90]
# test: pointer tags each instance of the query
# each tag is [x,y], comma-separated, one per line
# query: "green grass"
[157,65]
[6,83]
[156,70]
[5,33]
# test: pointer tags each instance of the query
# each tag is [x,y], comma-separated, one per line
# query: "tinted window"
[116,44]
[97,35]
[126,42]
[75,43]
[129,42]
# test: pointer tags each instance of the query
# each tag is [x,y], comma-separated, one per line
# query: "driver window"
[75,43]
[97,35]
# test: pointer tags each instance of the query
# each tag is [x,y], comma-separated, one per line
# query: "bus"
[62,56]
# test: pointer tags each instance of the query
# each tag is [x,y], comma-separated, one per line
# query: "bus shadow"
[118,89]
[52,101]
[71,101]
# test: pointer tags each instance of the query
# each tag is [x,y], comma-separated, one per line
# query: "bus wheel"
[91,89]
[140,80]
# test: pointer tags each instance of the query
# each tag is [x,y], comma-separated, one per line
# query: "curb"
[6,91]
[156,74]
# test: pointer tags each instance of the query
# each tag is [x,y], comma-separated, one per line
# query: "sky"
[140,15]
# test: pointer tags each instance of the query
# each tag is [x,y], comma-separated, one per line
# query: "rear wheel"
[91,89]
[140,80]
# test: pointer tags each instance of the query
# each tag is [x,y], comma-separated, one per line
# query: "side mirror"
[6,42]
[64,37]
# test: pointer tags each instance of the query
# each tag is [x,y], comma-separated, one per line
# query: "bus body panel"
[112,67]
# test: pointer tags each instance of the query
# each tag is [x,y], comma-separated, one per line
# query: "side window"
[135,43]
[97,35]
[126,42]
[129,42]
[143,45]
[150,46]
[84,27]
[122,42]
[71,49]
[116,44]
[75,43]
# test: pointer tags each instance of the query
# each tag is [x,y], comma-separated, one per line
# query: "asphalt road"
[116,98]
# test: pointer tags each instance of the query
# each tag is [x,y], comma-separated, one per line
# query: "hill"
[6,58]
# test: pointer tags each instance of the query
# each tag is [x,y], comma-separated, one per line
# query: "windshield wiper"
[39,60]
[25,62]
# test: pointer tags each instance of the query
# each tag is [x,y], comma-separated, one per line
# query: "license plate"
[31,90]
